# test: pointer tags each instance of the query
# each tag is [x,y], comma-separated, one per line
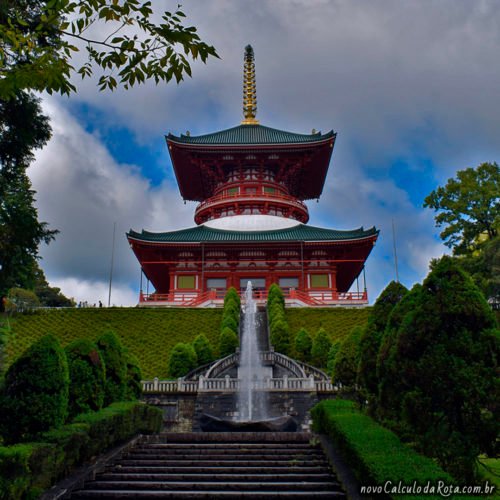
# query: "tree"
[116,367]
[39,38]
[23,300]
[23,129]
[182,360]
[320,347]
[345,366]
[372,336]
[87,374]
[133,380]
[228,342]
[49,296]
[445,355]
[303,344]
[203,350]
[35,397]
[469,207]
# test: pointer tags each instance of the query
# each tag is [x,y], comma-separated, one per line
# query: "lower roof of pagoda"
[298,232]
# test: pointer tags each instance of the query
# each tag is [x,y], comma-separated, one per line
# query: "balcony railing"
[310,297]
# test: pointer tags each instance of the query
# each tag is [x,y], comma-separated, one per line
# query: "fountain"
[252,398]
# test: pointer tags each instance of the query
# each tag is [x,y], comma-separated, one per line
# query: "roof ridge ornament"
[249,89]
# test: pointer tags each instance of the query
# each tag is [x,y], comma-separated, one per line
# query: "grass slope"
[337,322]
[149,334]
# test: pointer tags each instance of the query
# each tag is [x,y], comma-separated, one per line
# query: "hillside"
[337,322]
[150,334]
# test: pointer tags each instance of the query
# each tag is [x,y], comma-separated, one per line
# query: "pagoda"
[251,182]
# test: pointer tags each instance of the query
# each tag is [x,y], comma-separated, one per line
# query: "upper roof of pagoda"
[299,232]
[255,135]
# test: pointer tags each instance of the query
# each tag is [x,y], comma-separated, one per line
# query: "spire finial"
[249,89]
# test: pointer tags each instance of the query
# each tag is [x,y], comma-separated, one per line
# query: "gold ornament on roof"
[249,89]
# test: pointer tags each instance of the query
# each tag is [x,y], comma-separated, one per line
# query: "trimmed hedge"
[375,454]
[26,470]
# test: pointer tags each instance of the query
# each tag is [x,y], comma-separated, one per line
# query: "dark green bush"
[133,384]
[229,321]
[345,365]
[26,470]
[275,295]
[332,354]
[87,375]
[445,355]
[203,349]
[320,348]
[228,342]
[182,360]
[35,397]
[372,336]
[280,336]
[116,367]
[232,294]
[303,345]
[375,454]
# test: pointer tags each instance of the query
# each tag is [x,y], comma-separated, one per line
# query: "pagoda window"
[232,191]
[319,280]
[289,282]
[251,190]
[216,283]
[186,282]
[268,189]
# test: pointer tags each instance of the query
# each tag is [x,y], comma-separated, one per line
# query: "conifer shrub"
[232,294]
[303,345]
[320,348]
[115,362]
[371,337]
[345,365]
[228,342]
[275,295]
[133,384]
[35,397]
[445,353]
[87,375]
[229,321]
[280,337]
[332,354]
[182,360]
[203,349]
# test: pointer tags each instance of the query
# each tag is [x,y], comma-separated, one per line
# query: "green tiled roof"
[251,134]
[301,232]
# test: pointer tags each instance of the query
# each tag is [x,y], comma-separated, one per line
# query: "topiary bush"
[345,366]
[182,360]
[303,345]
[115,361]
[232,294]
[203,349]
[133,384]
[275,296]
[35,397]
[229,321]
[228,342]
[332,354]
[321,346]
[280,336]
[87,375]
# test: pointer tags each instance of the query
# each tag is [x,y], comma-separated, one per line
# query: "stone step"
[212,477]
[212,446]
[222,451]
[209,494]
[232,437]
[225,455]
[287,468]
[214,485]
[291,462]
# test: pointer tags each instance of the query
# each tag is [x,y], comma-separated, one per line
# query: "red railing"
[313,298]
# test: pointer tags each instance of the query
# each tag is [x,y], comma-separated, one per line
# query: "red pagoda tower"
[251,182]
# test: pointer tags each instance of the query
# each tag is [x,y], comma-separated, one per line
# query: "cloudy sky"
[412,88]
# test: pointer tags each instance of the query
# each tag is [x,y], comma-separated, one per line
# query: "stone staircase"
[217,465]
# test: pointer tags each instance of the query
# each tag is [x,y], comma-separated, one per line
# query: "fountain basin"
[210,423]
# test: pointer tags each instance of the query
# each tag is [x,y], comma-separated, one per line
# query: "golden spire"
[249,89]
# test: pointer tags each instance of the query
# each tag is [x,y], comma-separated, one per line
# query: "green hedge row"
[27,469]
[375,454]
